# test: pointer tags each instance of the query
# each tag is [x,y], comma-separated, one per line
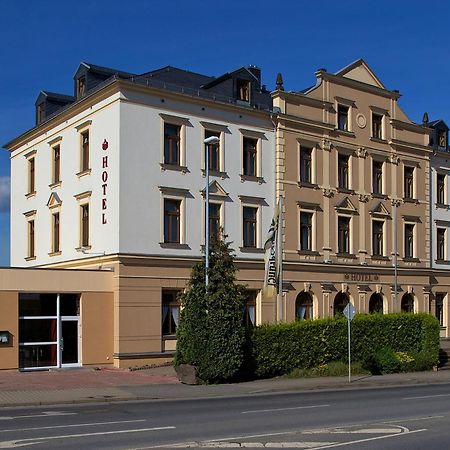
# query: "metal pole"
[207,217]
[349,353]
[280,260]
[59,342]
[395,204]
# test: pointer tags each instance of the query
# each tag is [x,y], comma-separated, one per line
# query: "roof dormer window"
[40,113]
[442,138]
[81,87]
[243,90]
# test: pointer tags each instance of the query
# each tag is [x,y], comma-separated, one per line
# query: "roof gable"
[360,71]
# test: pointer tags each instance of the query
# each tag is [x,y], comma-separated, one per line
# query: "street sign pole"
[349,312]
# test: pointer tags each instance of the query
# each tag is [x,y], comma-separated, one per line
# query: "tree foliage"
[211,334]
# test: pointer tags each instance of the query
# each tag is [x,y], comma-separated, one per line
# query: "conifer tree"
[210,333]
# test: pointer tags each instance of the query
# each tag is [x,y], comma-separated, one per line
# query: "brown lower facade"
[123,310]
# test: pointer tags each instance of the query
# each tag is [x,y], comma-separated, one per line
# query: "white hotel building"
[114,179]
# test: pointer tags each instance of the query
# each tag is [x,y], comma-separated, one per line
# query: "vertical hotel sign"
[105,146]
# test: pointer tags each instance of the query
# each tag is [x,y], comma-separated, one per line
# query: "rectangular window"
[81,87]
[408,180]
[55,220]
[343,117]
[343,234]
[85,225]
[249,225]
[243,90]
[440,188]
[377,126]
[31,175]
[377,177]
[31,249]
[170,312]
[440,296]
[440,244]
[56,178]
[305,164]
[213,151]
[442,138]
[84,151]
[250,309]
[250,156]
[343,171]
[172,222]
[172,143]
[377,237]
[409,240]
[214,220]
[306,219]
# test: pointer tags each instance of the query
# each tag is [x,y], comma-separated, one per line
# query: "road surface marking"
[426,396]
[358,431]
[283,409]
[413,419]
[73,425]
[31,441]
[44,414]
[214,444]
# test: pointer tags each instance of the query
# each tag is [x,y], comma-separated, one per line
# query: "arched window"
[376,303]
[407,304]
[304,306]
[340,302]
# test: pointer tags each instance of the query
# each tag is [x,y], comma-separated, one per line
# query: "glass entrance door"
[69,343]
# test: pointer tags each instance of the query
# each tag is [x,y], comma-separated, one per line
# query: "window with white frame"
[440,189]
[55,232]
[377,177]
[31,238]
[56,164]
[343,171]
[306,164]
[343,117]
[377,126]
[441,244]
[170,312]
[250,226]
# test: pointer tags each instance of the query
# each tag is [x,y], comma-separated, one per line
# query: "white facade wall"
[132,125]
[440,216]
[142,177]
[104,238]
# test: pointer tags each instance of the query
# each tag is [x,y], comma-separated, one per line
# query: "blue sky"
[406,43]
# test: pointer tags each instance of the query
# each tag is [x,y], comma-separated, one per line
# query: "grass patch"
[332,369]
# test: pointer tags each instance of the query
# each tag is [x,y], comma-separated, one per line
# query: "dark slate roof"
[105,70]
[55,96]
[434,123]
[176,76]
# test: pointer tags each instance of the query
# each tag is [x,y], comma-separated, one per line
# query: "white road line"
[359,441]
[413,419]
[73,425]
[426,396]
[44,414]
[283,409]
[22,442]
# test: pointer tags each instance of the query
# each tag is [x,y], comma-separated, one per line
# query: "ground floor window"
[340,302]
[440,307]
[48,330]
[304,306]
[407,304]
[170,312]
[250,309]
[376,303]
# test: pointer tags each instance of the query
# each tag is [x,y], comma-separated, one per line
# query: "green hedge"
[278,349]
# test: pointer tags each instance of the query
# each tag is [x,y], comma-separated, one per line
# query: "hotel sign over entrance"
[361,277]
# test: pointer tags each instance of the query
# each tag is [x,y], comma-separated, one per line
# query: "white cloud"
[4,194]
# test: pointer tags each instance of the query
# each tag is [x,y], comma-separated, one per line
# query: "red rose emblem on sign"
[105,145]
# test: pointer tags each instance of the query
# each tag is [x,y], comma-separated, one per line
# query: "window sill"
[175,245]
[30,194]
[346,255]
[54,185]
[308,252]
[379,258]
[55,253]
[345,190]
[251,250]
[83,173]
[84,247]
[380,196]
[379,140]
[259,180]
[410,200]
[407,259]
[175,167]
[442,206]
[344,132]
[30,258]
[306,184]
[442,261]
[215,173]
[169,337]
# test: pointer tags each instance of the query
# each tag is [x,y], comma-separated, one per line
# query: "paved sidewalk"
[108,384]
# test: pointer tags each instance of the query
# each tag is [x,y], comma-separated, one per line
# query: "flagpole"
[280,261]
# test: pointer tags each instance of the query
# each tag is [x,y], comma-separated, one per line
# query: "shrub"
[279,349]
[210,335]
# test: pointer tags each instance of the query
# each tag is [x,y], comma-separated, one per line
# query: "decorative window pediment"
[380,211]
[346,206]
[216,190]
[54,201]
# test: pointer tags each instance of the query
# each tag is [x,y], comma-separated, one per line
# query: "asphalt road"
[385,418]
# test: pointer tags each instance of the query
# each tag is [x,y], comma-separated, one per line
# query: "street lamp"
[212,140]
